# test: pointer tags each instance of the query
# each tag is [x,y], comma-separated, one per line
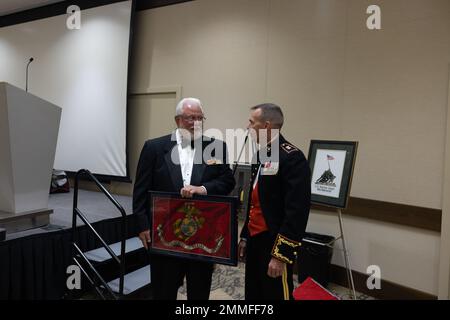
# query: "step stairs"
[134,280]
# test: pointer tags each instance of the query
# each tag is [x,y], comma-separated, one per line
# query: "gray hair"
[272,113]
[179,108]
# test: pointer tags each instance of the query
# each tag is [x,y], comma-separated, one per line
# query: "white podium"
[28,135]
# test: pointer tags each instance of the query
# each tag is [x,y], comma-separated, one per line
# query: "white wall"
[335,80]
[405,255]
[84,71]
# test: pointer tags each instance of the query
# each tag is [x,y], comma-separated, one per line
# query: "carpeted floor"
[228,284]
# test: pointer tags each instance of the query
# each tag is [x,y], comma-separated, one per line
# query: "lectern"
[28,134]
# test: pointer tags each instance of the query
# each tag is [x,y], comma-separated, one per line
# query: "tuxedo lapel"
[199,166]
[173,166]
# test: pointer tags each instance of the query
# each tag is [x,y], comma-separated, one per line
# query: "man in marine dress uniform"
[278,210]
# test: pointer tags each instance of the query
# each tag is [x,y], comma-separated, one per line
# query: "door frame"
[444,263]
[158,90]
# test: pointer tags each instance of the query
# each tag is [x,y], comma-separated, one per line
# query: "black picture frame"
[174,233]
[331,187]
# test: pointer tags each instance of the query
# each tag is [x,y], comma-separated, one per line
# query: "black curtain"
[34,267]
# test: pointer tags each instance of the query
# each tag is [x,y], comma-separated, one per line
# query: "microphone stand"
[240,153]
[26,81]
[240,188]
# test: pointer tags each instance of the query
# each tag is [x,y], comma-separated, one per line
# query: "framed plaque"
[201,228]
[331,164]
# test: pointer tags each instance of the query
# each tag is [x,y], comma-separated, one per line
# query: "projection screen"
[84,71]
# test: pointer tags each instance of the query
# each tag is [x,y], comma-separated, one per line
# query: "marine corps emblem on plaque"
[186,227]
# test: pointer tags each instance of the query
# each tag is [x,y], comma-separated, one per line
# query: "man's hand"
[188,191]
[276,268]
[145,238]
[242,250]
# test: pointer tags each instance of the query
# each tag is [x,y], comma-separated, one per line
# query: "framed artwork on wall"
[332,164]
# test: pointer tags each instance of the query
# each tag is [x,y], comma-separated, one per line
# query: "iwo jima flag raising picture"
[327,177]
[202,228]
[331,164]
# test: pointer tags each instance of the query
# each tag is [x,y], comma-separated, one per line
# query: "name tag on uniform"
[269,168]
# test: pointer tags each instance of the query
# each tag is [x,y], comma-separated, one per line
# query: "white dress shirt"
[186,154]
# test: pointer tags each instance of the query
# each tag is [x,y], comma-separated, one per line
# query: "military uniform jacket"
[285,196]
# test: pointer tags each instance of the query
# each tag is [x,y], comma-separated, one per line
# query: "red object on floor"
[311,290]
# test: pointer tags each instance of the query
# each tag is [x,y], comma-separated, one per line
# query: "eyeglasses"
[193,118]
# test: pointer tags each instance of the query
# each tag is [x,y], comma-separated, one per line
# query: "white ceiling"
[11,6]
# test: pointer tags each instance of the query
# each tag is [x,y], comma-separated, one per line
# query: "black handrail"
[77,212]
[89,279]
[95,272]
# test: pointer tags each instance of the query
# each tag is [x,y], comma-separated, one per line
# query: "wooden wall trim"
[402,214]
[389,290]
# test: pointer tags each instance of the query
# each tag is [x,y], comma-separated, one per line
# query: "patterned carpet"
[228,284]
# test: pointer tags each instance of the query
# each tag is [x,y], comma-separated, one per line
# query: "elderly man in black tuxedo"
[175,163]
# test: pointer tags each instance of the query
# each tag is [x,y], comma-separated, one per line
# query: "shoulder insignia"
[288,147]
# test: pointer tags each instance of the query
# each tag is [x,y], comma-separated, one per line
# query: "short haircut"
[272,113]
[179,108]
